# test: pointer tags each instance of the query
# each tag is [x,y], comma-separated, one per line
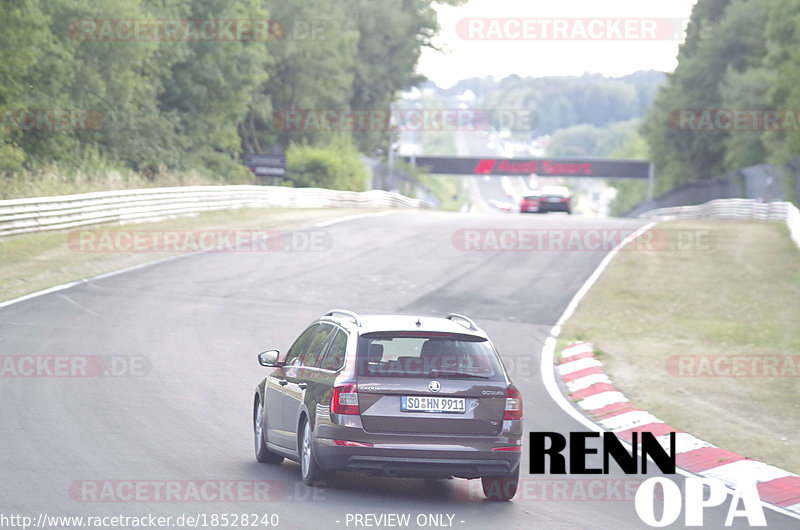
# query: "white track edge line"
[355,217]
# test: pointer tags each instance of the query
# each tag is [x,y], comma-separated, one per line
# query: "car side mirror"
[269,358]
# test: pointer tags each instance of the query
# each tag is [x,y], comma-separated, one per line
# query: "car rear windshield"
[404,354]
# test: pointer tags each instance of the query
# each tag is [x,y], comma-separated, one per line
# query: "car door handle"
[283,382]
[302,386]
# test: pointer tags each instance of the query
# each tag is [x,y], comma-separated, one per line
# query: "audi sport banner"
[556,167]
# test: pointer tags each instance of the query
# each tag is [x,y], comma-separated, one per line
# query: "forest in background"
[176,106]
[738,55]
[195,107]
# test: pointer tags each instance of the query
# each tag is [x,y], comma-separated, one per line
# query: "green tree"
[591,141]
[391,37]
[194,104]
[311,68]
[24,31]
[783,29]
[725,38]
[560,102]
[337,166]
[630,192]
[113,79]
[748,89]
[208,91]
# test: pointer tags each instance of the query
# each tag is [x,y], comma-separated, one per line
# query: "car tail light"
[565,199]
[348,443]
[513,404]
[512,448]
[345,399]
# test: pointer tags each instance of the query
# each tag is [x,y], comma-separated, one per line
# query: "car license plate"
[553,199]
[432,404]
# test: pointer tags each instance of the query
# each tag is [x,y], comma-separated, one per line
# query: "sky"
[477,39]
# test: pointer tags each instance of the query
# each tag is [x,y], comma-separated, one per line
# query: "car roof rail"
[472,325]
[351,314]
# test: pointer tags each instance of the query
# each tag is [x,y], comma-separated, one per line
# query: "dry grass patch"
[741,297]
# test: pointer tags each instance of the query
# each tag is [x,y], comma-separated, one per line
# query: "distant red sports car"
[548,199]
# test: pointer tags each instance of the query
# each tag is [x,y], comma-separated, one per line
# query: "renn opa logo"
[547,447]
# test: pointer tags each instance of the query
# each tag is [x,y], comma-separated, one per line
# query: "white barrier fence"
[734,209]
[19,216]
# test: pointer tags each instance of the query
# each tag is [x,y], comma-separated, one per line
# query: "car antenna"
[418,322]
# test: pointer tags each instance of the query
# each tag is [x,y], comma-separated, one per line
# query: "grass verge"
[32,262]
[738,296]
[50,181]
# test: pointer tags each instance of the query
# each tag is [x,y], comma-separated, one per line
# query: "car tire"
[501,488]
[309,469]
[262,453]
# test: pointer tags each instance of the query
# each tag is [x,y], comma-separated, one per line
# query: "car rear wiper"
[455,373]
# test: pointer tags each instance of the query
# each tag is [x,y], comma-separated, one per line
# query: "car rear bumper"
[554,207]
[430,467]
[419,460]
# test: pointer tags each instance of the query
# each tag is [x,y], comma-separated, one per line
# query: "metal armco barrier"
[19,216]
[734,209]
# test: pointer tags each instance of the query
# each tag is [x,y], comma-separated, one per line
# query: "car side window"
[317,345]
[335,357]
[300,346]
[323,353]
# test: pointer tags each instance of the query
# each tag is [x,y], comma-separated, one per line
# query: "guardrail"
[19,216]
[734,209]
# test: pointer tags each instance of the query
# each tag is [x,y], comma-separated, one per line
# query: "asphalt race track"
[199,321]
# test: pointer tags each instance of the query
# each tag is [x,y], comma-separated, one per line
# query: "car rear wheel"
[501,488]
[311,472]
[262,453]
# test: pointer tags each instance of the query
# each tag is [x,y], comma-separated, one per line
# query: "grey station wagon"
[396,395]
